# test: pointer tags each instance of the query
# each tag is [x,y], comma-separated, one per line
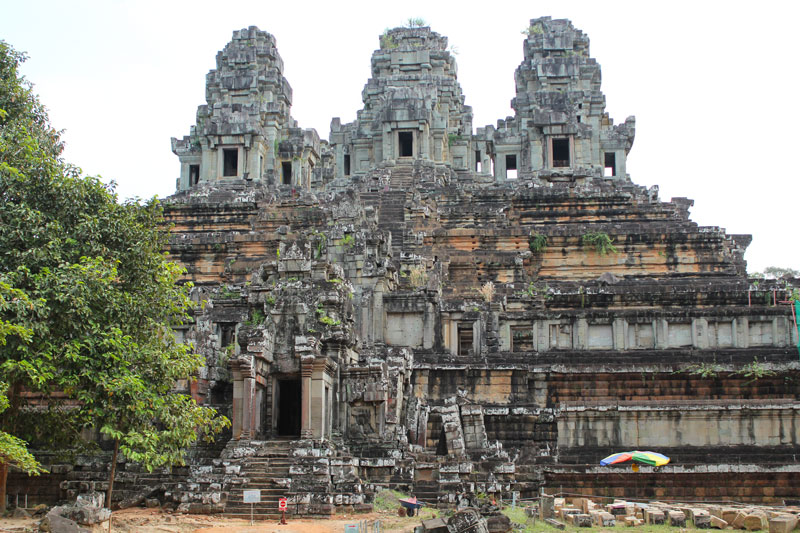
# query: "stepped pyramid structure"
[419,305]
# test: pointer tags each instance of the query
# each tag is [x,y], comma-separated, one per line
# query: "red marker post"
[282,507]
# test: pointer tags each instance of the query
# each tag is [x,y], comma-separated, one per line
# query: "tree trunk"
[3,479]
[113,472]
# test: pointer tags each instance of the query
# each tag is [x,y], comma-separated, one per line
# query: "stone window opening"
[194,175]
[477,160]
[230,162]
[227,334]
[511,167]
[286,171]
[610,164]
[406,142]
[521,339]
[561,153]
[346,164]
[465,339]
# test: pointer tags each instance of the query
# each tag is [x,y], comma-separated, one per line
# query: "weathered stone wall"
[731,482]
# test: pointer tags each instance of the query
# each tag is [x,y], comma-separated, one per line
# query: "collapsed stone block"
[654,516]
[756,522]
[782,524]
[701,518]
[677,519]
[718,523]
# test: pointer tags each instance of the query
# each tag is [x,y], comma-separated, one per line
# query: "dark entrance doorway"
[406,139]
[289,395]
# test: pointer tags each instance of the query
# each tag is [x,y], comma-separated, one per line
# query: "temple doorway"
[406,141]
[288,407]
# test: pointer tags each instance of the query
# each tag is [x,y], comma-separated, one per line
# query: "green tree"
[773,272]
[102,300]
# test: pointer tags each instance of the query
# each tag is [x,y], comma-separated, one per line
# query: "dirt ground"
[154,521]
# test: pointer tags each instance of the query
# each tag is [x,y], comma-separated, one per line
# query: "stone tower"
[245,132]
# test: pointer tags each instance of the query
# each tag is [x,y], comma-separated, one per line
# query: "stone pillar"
[306,371]
[238,387]
[619,328]
[318,402]
[662,334]
[248,407]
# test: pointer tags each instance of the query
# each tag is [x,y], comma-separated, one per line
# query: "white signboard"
[252,496]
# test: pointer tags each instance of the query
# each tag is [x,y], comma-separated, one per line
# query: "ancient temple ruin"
[418,304]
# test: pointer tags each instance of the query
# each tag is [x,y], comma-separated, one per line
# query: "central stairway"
[268,473]
[393,205]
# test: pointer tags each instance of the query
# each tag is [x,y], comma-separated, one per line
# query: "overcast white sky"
[712,85]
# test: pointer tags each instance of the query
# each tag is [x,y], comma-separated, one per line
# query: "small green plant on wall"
[754,371]
[537,243]
[387,41]
[601,242]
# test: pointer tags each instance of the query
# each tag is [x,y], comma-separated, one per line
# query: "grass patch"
[387,500]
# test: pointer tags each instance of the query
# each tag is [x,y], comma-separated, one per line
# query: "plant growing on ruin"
[533,29]
[256,318]
[324,318]
[537,243]
[91,302]
[321,241]
[348,240]
[703,370]
[487,291]
[418,276]
[453,138]
[415,22]
[601,242]
[754,371]
[387,41]
[227,293]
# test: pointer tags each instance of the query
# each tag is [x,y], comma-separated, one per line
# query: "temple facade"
[418,304]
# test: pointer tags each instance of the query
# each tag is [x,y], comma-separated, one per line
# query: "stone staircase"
[402,178]
[392,217]
[267,472]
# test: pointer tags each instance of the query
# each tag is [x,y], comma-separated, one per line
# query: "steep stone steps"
[267,472]
[392,217]
[402,178]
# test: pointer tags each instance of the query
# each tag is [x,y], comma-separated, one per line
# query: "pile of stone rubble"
[584,512]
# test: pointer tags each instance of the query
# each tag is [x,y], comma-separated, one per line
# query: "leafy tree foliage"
[773,272]
[89,299]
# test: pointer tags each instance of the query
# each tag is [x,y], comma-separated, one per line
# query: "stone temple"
[447,310]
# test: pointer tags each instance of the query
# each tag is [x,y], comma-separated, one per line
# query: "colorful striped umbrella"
[645,458]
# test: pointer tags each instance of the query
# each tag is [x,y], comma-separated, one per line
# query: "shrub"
[600,241]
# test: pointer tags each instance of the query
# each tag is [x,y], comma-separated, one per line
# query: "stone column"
[318,402]
[238,387]
[248,394]
[306,371]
